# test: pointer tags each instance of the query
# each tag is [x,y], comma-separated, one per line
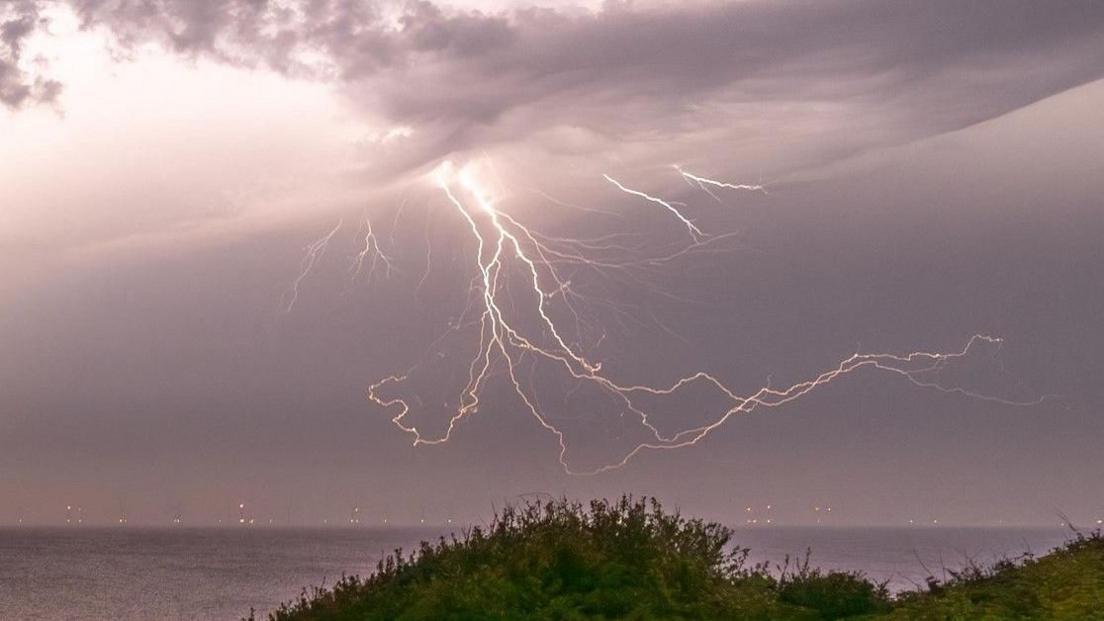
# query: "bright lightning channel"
[695,232]
[503,243]
[702,184]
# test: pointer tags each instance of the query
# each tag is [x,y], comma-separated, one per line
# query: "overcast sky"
[185,188]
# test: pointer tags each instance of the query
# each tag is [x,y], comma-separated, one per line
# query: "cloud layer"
[18,20]
[858,73]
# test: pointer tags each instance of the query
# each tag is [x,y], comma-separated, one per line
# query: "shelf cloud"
[461,77]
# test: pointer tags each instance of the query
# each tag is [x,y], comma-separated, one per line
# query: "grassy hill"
[631,560]
[1065,585]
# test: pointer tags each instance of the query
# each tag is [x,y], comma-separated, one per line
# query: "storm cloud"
[18,20]
[889,72]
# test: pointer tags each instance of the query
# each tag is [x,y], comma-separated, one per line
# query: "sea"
[220,574]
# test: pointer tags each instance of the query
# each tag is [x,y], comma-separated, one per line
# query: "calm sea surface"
[136,574]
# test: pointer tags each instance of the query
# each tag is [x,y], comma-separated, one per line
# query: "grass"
[1065,585]
[630,559]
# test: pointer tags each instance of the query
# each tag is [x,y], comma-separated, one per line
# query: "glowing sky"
[933,172]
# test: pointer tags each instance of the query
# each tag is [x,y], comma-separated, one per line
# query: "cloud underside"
[18,20]
[847,74]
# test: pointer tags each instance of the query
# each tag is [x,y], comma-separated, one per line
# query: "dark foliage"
[834,594]
[631,560]
[561,560]
[1065,585]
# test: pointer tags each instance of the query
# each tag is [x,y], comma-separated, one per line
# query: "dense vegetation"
[1065,585]
[632,560]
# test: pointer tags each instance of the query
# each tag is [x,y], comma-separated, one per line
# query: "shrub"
[834,594]
[561,560]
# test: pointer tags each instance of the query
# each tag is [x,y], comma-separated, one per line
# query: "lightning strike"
[702,182]
[372,253]
[314,251]
[506,250]
[695,232]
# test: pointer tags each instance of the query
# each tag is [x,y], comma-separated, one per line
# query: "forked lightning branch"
[508,251]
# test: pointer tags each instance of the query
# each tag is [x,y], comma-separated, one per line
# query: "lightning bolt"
[314,251]
[703,182]
[695,232]
[371,252]
[507,250]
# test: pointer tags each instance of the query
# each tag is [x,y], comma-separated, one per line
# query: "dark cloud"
[467,78]
[18,21]
[779,49]
[919,68]
[249,32]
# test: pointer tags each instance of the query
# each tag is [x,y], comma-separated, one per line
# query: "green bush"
[561,560]
[834,594]
[631,560]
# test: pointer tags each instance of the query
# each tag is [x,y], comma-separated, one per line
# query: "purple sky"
[185,188]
